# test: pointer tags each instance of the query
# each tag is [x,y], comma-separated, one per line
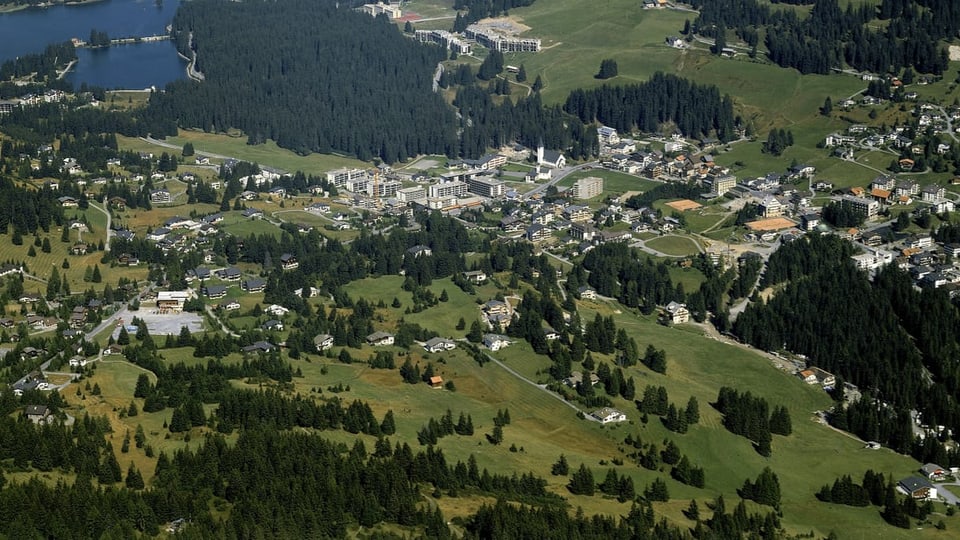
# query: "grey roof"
[914,483]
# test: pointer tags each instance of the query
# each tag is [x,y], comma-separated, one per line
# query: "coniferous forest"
[312,77]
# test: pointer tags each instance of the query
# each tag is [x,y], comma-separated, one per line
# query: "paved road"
[946,495]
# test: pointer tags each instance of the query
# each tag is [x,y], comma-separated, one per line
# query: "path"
[542,387]
[223,326]
[106,244]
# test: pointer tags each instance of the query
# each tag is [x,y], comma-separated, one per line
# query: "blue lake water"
[123,66]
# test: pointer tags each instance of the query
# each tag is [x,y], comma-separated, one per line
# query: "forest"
[832,37]
[820,312]
[312,77]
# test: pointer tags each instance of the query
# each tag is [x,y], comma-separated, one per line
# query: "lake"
[132,66]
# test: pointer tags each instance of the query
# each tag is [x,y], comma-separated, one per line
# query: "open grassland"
[674,245]
[268,154]
[614,182]
[578,35]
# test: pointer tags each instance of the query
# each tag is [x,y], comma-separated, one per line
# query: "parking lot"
[162,324]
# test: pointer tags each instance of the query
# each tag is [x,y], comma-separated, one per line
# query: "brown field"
[683,205]
[771,224]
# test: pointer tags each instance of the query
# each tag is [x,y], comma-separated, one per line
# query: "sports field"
[684,204]
[771,224]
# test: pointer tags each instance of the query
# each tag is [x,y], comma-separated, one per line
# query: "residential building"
[485,187]
[608,415]
[865,207]
[587,188]
[439,344]
[410,194]
[254,285]
[215,292]
[587,293]
[677,313]
[476,277]
[455,188]
[771,207]
[918,488]
[419,251]
[495,342]
[721,184]
[444,39]
[340,177]
[160,196]
[38,414]
[378,339]
[258,347]
[934,472]
[491,39]
[288,261]
[323,342]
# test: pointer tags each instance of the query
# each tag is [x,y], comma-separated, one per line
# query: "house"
[276,310]
[587,293]
[917,487]
[379,339]
[537,233]
[252,213]
[36,413]
[607,415]
[68,202]
[439,344]
[117,203]
[495,342]
[550,334]
[231,305]
[271,325]
[254,285]
[288,261]
[323,342]
[496,307]
[418,251]
[112,349]
[808,376]
[809,222]
[436,382]
[576,377]
[475,276]
[677,313]
[80,248]
[160,196]
[158,234]
[934,472]
[78,361]
[259,347]
[825,378]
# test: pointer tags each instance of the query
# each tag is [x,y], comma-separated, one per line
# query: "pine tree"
[693,411]
[96,277]
[134,478]
[537,84]
[522,74]
[561,467]
[180,421]
[582,482]
[388,426]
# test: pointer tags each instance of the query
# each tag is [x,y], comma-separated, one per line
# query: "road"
[946,495]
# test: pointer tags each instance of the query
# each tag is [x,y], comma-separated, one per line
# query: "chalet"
[272,325]
[576,378]
[231,305]
[197,273]
[78,361]
[259,347]
[254,285]
[117,203]
[677,313]
[550,334]
[436,382]
[934,472]
[29,298]
[68,202]
[378,339]
[419,250]
[825,378]
[323,342]
[587,293]
[215,292]
[160,196]
[252,213]
[38,414]
[917,488]
[80,248]
[475,276]
[607,415]
[439,344]
[112,349]
[808,376]
[276,310]
[495,342]
[809,222]
[288,261]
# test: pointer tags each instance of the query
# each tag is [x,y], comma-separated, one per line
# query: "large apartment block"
[485,187]
[499,42]
[588,188]
[444,39]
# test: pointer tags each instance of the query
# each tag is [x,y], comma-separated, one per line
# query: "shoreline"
[13,8]
[66,70]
